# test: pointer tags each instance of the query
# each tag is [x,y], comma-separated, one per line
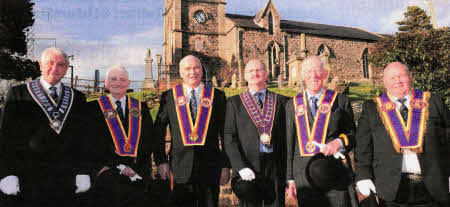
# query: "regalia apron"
[193,133]
[56,111]
[262,118]
[126,145]
[407,135]
[318,133]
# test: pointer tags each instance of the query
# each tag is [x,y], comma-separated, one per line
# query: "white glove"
[132,178]
[365,186]
[164,171]
[83,183]
[337,155]
[9,185]
[247,174]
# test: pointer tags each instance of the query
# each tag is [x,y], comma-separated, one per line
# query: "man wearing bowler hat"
[254,140]
[318,120]
[403,146]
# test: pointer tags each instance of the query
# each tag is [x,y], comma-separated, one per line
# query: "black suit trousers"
[270,171]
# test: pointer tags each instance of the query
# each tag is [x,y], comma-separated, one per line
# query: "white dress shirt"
[410,163]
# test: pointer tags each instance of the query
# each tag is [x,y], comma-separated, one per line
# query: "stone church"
[228,41]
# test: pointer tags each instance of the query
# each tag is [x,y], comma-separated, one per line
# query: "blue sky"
[100,33]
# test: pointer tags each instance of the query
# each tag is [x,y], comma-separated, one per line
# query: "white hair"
[54,50]
[308,63]
[118,68]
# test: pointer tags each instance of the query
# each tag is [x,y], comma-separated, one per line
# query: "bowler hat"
[257,189]
[327,173]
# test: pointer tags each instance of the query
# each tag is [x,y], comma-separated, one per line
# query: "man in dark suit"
[255,134]
[403,146]
[43,151]
[195,114]
[123,129]
[322,116]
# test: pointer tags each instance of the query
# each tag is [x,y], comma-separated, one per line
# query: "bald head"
[256,75]
[313,74]
[397,79]
[189,59]
[396,65]
[255,64]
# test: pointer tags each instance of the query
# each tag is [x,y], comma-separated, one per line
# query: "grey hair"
[189,56]
[256,61]
[118,68]
[308,61]
[54,50]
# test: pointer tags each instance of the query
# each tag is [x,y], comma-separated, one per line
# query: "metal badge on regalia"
[127,147]
[265,138]
[181,101]
[55,124]
[135,112]
[324,108]
[388,106]
[110,113]
[205,102]
[193,136]
[310,147]
[300,110]
[418,104]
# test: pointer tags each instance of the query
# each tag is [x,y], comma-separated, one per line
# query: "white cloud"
[388,24]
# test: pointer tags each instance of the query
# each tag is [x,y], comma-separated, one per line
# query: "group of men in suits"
[56,149]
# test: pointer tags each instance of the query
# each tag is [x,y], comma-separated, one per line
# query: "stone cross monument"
[148,81]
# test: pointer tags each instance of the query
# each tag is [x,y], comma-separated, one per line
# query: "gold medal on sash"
[135,112]
[109,113]
[310,147]
[127,147]
[265,138]
[193,136]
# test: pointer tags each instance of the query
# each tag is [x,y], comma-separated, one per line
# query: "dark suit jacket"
[211,158]
[376,158]
[33,151]
[242,139]
[106,151]
[341,122]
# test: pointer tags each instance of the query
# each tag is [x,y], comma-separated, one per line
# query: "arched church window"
[365,64]
[270,23]
[321,50]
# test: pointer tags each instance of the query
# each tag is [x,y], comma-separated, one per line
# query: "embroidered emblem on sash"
[56,112]
[305,136]
[193,133]
[403,135]
[126,145]
[263,119]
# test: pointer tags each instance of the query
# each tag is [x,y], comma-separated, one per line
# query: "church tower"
[191,27]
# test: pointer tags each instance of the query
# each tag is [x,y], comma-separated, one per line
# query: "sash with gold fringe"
[263,120]
[319,131]
[193,134]
[405,135]
[125,145]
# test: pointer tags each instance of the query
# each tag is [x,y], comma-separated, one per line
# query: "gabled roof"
[308,28]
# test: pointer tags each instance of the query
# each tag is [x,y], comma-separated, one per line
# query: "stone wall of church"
[255,44]
[345,55]
[191,25]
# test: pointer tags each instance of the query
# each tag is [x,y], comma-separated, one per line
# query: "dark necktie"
[193,106]
[403,109]
[258,97]
[119,110]
[314,105]
[53,93]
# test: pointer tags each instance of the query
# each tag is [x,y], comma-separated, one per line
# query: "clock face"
[200,17]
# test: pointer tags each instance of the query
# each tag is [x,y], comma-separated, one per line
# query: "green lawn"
[358,93]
